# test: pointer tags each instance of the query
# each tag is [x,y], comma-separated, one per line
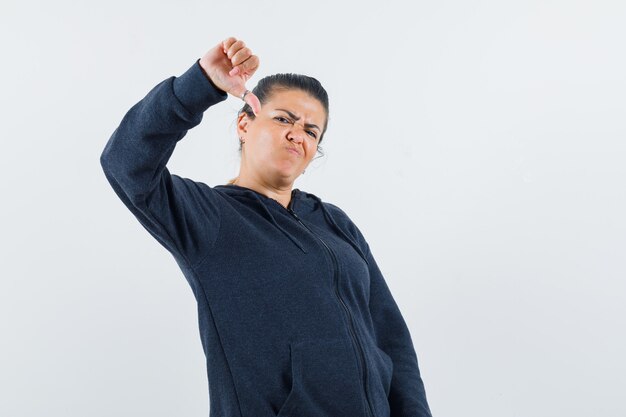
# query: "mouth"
[293,150]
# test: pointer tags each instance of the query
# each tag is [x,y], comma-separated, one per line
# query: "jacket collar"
[299,202]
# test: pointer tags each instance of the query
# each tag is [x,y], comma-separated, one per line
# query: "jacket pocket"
[325,380]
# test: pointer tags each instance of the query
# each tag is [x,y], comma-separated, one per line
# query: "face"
[282,139]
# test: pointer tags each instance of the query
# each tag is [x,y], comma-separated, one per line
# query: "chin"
[288,171]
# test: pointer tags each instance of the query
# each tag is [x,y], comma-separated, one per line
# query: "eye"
[280,118]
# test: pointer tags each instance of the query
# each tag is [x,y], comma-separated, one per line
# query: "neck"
[282,194]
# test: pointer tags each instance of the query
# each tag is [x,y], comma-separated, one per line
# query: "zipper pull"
[293,213]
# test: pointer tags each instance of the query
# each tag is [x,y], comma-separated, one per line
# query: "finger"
[226,44]
[252,64]
[254,102]
[234,48]
[247,67]
[240,56]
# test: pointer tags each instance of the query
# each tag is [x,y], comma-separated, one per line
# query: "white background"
[478,145]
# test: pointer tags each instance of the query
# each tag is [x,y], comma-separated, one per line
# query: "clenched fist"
[229,65]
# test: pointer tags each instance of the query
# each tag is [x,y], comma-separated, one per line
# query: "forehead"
[299,102]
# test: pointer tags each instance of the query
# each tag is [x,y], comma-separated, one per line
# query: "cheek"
[269,146]
[273,134]
[311,146]
[266,140]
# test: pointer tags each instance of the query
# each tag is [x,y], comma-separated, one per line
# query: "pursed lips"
[293,150]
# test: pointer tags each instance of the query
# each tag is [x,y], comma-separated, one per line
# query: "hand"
[229,65]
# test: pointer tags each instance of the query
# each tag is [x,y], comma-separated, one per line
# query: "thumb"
[254,102]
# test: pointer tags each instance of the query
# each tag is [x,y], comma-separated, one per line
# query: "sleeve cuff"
[196,91]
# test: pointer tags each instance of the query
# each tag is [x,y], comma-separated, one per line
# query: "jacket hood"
[302,203]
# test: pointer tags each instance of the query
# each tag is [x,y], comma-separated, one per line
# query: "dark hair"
[267,86]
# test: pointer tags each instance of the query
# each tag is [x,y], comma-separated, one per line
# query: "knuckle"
[236,58]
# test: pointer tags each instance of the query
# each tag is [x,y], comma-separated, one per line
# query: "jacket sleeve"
[407,396]
[183,215]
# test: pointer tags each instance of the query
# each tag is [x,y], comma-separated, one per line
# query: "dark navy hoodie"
[295,316]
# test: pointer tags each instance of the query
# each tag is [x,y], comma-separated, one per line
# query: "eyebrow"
[293,116]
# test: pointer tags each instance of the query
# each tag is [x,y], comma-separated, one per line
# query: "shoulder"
[344,221]
[339,215]
[336,210]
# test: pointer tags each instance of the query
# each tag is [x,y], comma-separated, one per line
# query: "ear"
[242,123]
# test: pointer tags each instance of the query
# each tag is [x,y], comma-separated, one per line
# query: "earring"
[242,141]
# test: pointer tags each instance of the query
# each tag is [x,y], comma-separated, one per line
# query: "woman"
[295,316]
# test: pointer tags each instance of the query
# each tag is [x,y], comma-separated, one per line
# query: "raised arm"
[183,215]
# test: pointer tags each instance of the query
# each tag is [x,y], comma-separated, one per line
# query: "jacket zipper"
[351,328]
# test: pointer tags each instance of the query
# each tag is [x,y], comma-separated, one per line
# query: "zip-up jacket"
[295,316]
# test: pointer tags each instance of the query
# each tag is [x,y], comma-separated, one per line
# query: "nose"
[297,134]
